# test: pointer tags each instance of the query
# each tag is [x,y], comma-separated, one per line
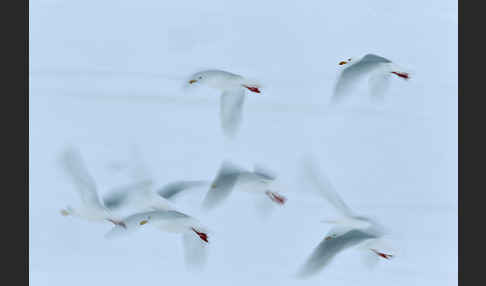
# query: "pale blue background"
[107,74]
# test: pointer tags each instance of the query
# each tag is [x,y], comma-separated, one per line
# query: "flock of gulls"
[157,207]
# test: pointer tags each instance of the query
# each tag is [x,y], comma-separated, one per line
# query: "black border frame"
[16,121]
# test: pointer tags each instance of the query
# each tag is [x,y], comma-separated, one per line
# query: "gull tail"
[67,211]
[195,252]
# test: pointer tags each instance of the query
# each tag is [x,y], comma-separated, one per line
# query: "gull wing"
[140,173]
[378,83]
[222,185]
[139,169]
[328,248]
[322,184]
[73,165]
[372,58]
[351,75]
[171,190]
[195,251]
[264,172]
[231,111]
[119,196]
[263,206]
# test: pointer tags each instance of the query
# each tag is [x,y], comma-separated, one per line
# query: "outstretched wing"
[171,190]
[328,248]
[323,185]
[231,111]
[372,58]
[85,185]
[120,196]
[195,251]
[263,206]
[222,185]
[351,75]
[142,186]
[378,83]
[264,172]
[139,170]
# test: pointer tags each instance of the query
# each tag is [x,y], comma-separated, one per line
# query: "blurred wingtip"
[115,232]
[195,253]
[208,204]
[67,153]
[304,273]
[334,100]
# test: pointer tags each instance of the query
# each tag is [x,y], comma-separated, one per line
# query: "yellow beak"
[192,81]
[343,63]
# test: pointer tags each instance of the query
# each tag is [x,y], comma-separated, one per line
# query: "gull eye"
[349,59]
[199,77]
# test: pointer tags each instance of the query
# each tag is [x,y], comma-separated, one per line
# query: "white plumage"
[349,229]
[378,69]
[233,88]
[91,208]
[260,181]
[160,212]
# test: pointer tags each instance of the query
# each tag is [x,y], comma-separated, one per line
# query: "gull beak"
[192,81]
[343,63]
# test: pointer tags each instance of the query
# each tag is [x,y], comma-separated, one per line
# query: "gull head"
[209,76]
[198,77]
[216,79]
[341,63]
[64,212]
[331,236]
[67,211]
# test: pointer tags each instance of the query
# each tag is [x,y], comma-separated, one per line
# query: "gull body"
[218,79]
[230,176]
[168,221]
[157,210]
[232,87]
[349,229]
[377,68]
[195,238]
